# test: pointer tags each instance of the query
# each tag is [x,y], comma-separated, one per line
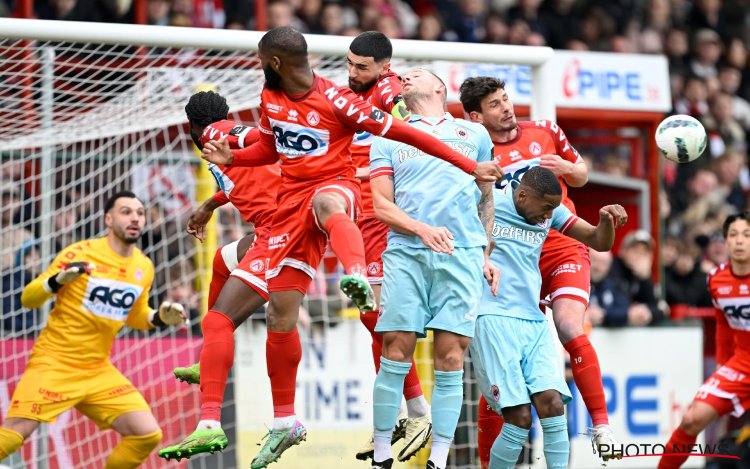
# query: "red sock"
[678,443]
[489,426]
[588,378]
[283,354]
[370,320]
[346,242]
[219,277]
[217,357]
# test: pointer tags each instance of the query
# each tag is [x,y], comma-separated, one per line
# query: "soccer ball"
[681,138]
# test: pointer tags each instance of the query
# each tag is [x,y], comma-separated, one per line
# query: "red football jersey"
[313,132]
[252,190]
[731,297]
[381,95]
[533,139]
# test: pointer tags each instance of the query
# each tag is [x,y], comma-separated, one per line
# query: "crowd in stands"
[705,42]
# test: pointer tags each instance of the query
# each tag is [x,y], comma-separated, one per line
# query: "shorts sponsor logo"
[495,391]
[278,241]
[535,148]
[51,396]
[257,266]
[313,118]
[374,268]
[120,390]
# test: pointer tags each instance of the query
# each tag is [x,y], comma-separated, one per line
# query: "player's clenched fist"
[69,273]
[169,314]
[218,152]
[614,214]
[488,171]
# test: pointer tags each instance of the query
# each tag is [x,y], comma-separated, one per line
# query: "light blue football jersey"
[431,190]
[518,246]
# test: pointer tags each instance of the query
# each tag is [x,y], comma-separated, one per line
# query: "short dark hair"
[473,90]
[542,181]
[733,218]
[286,40]
[206,107]
[372,44]
[110,203]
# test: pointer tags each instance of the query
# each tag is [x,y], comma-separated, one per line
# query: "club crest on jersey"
[535,148]
[462,133]
[292,115]
[373,268]
[495,391]
[313,118]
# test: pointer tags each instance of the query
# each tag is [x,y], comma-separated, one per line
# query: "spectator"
[631,271]
[527,10]
[15,320]
[608,303]
[157,12]
[431,28]
[684,280]
[280,13]
[496,30]
[706,53]
[725,133]
[560,21]
[730,79]
[693,101]
[11,235]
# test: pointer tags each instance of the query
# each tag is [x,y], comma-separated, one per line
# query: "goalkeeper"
[101,284]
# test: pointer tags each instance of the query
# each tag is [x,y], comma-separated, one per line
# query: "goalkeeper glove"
[69,273]
[399,110]
[168,314]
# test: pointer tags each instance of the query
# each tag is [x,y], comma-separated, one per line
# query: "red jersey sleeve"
[260,153]
[250,137]
[220,198]
[564,148]
[386,91]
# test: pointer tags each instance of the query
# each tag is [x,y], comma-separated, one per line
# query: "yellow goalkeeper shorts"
[48,388]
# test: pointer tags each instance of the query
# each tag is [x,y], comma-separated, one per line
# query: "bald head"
[284,41]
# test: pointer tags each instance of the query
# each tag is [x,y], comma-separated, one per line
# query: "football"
[681,138]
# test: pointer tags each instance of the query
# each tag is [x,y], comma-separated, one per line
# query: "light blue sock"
[447,397]
[389,387]
[507,447]
[556,442]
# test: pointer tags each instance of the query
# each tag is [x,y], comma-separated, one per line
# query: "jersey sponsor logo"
[520,234]
[222,180]
[515,172]
[515,155]
[363,138]
[292,115]
[730,374]
[743,289]
[535,148]
[408,152]
[237,130]
[725,290]
[566,269]
[737,311]
[294,141]
[110,299]
[313,118]
[273,108]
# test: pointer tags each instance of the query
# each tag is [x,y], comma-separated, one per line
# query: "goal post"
[89,108]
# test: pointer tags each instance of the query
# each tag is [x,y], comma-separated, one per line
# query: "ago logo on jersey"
[109,298]
[737,311]
[295,141]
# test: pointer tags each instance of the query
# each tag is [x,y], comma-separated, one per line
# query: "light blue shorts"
[423,289]
[514,359]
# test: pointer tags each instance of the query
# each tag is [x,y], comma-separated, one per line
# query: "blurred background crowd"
[705,42]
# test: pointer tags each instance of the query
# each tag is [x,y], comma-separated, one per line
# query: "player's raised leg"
[698,416]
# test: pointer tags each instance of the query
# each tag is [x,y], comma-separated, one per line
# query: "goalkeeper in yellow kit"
[101,284]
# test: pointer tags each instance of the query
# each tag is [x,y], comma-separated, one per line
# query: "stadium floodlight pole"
[542,106]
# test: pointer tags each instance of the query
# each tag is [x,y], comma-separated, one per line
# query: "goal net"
[86,113]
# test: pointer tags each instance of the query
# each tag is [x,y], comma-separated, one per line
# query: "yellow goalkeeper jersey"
[90,310]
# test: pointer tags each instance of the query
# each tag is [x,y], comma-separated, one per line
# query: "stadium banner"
[583,80]
[650,376]
[334,395]
[149,368]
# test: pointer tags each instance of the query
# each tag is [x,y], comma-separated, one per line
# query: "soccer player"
[101,284]
[237,288]
[309,123]
[370,76]
[564,262]
[434,262]
[728,389]
[516,369]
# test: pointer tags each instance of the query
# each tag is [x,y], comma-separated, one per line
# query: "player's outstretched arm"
[58,274]
[259,153]
[198,219]
[602,236]
[439,239]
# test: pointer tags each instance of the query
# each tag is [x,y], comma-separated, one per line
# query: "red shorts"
[727,390]
[566,274]
[252,267]
[297,239]
[375,236]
